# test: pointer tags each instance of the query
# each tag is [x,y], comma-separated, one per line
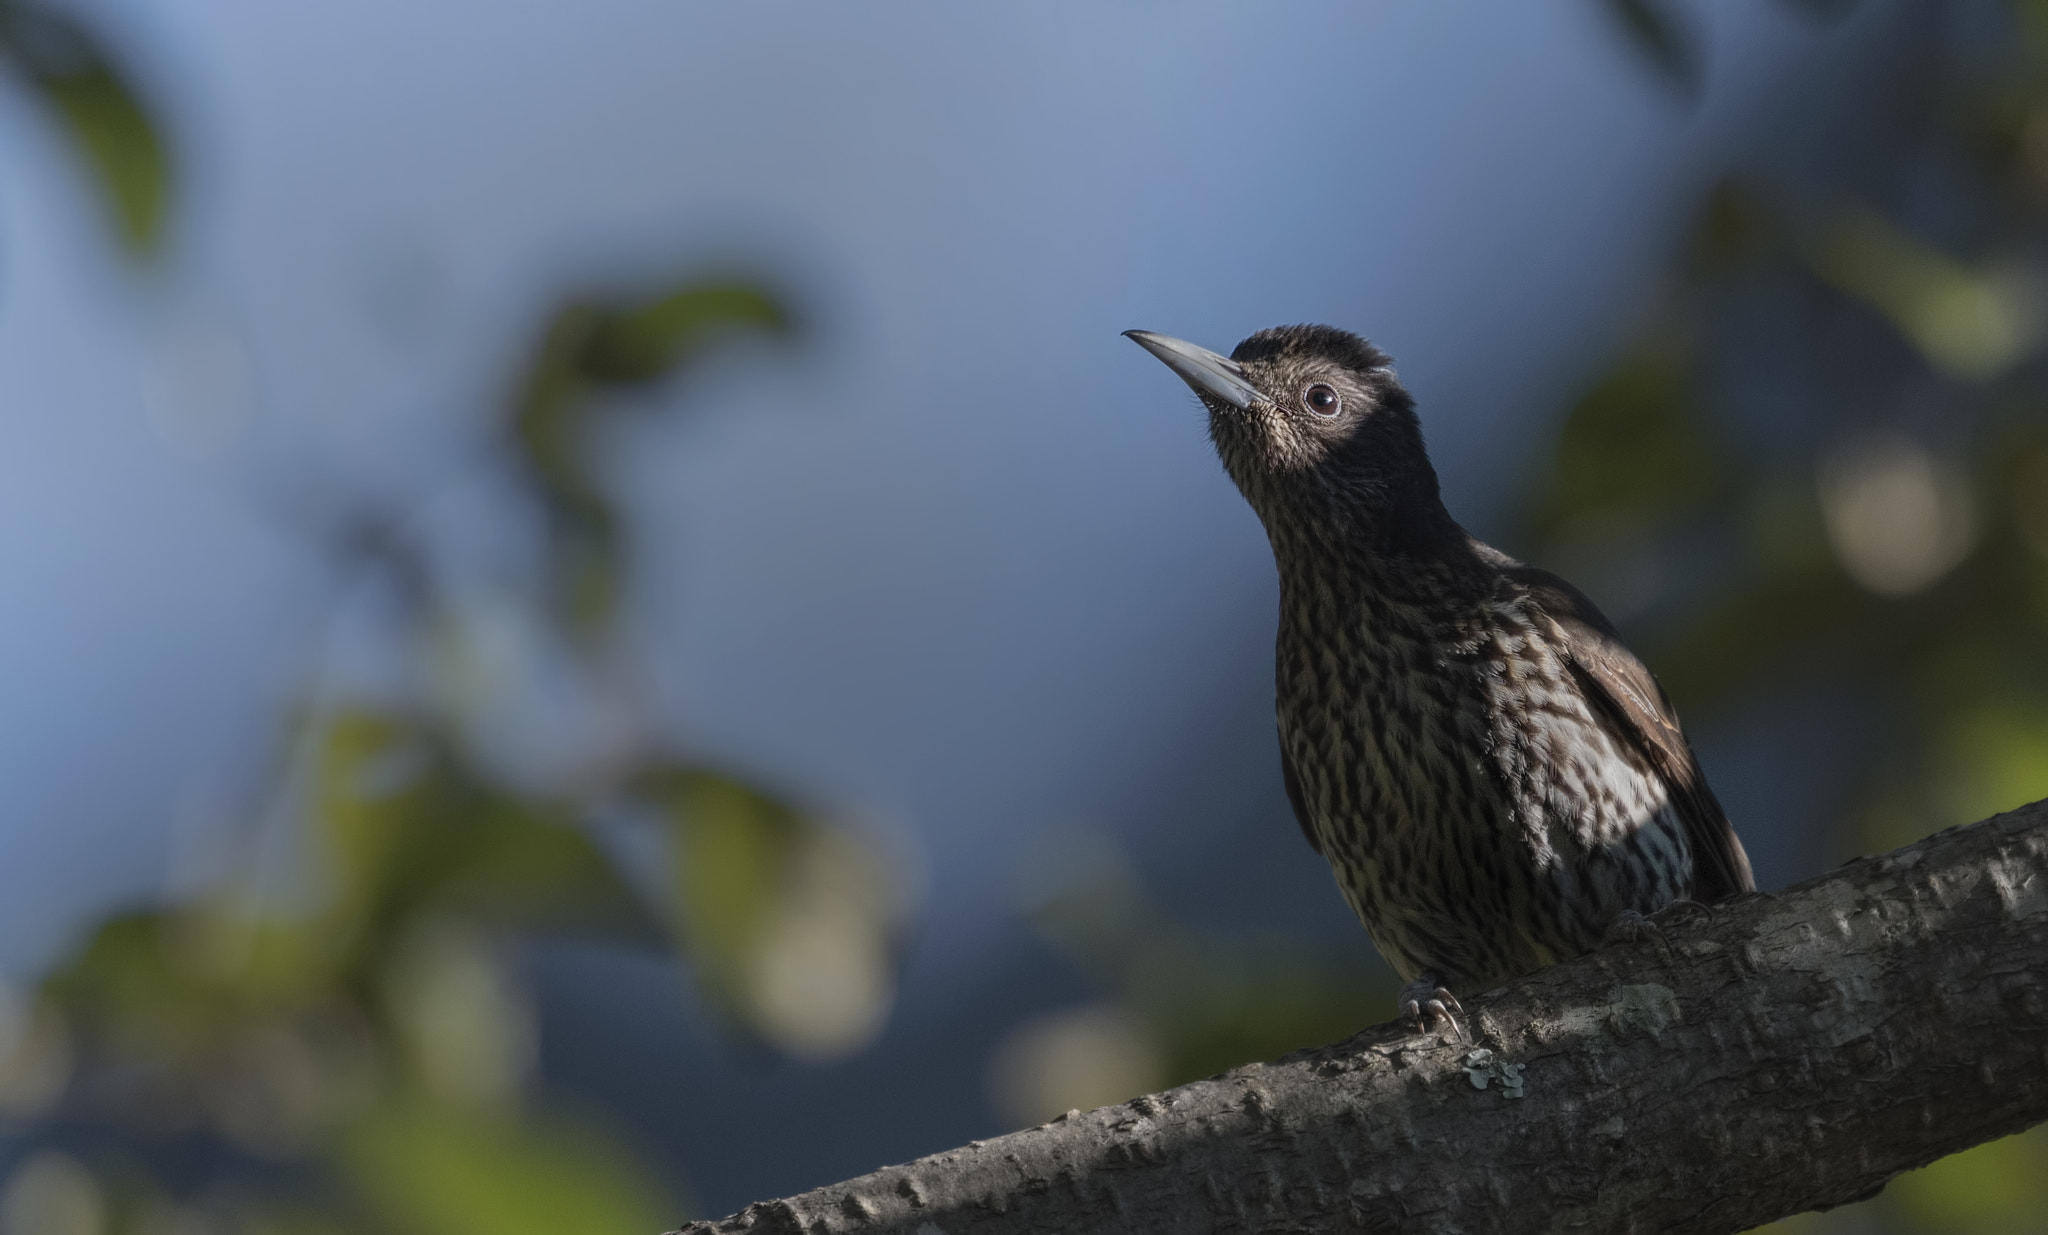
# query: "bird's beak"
[1200,368]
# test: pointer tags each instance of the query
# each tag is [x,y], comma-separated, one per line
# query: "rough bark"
[1781,1052]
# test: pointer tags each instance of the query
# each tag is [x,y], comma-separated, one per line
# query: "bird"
[1495,779]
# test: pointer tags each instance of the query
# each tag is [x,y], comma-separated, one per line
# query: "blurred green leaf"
[1995,757]
[434,1171]
[643,342]
[1635,448]
[1734,231]
[171,984]
[590,347]
[413,830]
[2033,20]
[791,921]
[464,1022]
[1999,1188]
[1968,322]
[61,60]
[734,848]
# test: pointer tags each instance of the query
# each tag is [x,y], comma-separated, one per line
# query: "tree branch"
[1777,1053]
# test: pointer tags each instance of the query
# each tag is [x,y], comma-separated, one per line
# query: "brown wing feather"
[1294,798]
[1634,707]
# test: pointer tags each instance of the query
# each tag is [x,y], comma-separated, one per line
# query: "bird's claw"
[1426,1006]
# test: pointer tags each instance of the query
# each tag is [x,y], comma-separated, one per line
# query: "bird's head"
[1309,420]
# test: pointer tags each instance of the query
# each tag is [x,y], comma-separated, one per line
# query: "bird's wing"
[1294,798]
[1632,705]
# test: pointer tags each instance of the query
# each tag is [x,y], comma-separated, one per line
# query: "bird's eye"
[1322,400]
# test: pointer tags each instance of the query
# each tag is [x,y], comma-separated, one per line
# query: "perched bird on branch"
[1496,780]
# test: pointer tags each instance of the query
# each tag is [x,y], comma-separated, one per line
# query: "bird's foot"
[1427,1005]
